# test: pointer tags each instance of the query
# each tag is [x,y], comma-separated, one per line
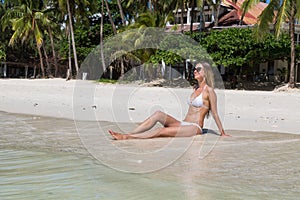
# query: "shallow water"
[44,158]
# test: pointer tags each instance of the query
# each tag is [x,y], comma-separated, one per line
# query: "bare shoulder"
[211,94]
[210,90]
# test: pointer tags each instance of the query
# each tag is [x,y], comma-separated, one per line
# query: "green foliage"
[197,36]
[149,19]
[184,46]
[162,11]
[237,47]
[86,39]
[297,51]
[229,47]
[104,80]
[271,48]
[168,57]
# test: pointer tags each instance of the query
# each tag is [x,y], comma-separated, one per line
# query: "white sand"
[84,100]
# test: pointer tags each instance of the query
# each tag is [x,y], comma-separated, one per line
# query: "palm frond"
[200,3]
[282,15]
[38,36]
[13,38]
[266,17]
[130,2]
[248,5]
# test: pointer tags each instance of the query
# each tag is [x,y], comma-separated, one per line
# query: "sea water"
[45,158]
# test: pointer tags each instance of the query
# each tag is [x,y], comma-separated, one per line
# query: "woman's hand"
[224,134]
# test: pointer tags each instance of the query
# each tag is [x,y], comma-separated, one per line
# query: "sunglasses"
[197,68]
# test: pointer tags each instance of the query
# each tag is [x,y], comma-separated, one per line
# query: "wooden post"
[26,71]
[5,70]
[110,72]
[34,71]
[170,73]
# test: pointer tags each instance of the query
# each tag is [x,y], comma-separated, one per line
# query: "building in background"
[230,15]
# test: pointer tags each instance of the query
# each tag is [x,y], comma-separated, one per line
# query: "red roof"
[251,17]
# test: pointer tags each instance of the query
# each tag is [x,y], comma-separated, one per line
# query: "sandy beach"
[54,144]
[85,100]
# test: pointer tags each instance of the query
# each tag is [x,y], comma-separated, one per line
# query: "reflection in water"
[43,158]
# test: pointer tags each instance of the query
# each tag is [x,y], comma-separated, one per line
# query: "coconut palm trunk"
[115,32]
[41,60]
[110,17]
[73,39]
[53,51]
[181,15]
[48,69]
[69,71]
[192,15]
[121,12]
[292,32]
[101,37]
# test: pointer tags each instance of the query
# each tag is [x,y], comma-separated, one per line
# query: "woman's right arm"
[213,106]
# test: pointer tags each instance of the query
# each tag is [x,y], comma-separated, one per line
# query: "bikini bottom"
[184,123]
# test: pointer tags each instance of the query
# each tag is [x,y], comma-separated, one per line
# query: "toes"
[113,134]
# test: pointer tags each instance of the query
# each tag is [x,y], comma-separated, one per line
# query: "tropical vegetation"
[282,11]
[56,36]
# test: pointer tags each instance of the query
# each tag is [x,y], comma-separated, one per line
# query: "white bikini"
[196,102]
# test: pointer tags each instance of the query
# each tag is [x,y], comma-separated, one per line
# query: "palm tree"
[216,5]
[164,8]
[138,6]
[51,10]
[110,18]
[50,30]
[76,11]
[26,21]
[286,10]
[150,19]
[66,9]
[121,12]
[101,36]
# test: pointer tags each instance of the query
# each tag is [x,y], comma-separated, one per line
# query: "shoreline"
[266,111]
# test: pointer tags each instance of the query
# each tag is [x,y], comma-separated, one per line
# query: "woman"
[201,101]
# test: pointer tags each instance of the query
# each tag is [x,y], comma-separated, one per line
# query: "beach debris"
[131,108]
[35,104]
[286,88]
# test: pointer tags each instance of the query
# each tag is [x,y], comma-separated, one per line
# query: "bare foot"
[117,136]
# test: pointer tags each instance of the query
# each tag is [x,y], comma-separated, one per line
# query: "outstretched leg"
[174,131]
[161,117]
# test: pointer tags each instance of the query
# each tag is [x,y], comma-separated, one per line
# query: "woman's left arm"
[213,106]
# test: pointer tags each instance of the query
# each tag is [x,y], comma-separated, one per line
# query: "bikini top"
[198,101]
